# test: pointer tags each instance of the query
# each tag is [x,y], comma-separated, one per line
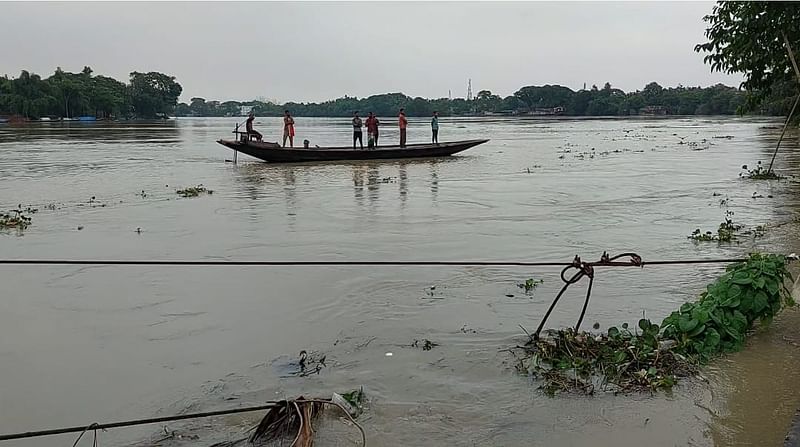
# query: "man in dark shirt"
[249,127]
[357,131]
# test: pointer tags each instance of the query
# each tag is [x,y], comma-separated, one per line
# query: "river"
[102,343]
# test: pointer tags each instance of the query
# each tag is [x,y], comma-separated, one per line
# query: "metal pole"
[235,152]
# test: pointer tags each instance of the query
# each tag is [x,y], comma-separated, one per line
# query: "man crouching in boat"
[249,127]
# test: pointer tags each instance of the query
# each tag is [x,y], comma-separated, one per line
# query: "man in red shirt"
[403,125]
[372,130]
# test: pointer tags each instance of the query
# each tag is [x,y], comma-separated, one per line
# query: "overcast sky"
[308,51]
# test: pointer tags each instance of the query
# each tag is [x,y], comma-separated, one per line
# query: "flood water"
[105,343]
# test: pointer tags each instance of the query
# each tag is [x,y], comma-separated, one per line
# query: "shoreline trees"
[70,95]
[542,100]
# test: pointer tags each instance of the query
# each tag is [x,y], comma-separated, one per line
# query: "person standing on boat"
[372,130]
[357,135]
[435,128]
[403,125]
[248,126]
[288,129]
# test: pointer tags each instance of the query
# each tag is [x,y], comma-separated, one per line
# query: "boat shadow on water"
[370,178]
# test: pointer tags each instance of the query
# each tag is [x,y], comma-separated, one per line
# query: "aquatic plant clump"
[530,284]
[16,219]
[759,173]
[728,231]
[194,191]
[725,233]
[654,356]
[718,322]
[619,360]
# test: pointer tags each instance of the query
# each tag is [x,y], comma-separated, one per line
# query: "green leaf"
[613,332]
[759,282]
[742,278]
[759,302]
[697,330]
[712,338]
[700,315]
[772,286]
[731,303]
[644,324]
[686,324]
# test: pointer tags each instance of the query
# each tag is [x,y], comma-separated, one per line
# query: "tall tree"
[748,38]
[153,94]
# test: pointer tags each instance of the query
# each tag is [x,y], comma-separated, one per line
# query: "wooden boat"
[273,152]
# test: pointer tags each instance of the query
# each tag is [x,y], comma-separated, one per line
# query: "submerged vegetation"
[654,356]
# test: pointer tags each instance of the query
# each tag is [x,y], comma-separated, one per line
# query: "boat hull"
[273,153]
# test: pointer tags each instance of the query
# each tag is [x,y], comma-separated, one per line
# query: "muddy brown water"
[104,343]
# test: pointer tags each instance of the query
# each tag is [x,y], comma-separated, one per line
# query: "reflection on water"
[183,338]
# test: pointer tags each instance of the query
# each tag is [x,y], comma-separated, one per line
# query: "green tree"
[748,38]
[153,94]
[108,97]
[545,96]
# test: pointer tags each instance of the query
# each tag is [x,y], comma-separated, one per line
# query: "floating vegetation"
[310,363]
[193,191]
[467,330]
[652,356]
[620,360]
[355,399]
[142,194]
[530,284]
[376,181]
[725,233]
[16,219]
[431,293]
[425,344]
[759,173]
[93,202]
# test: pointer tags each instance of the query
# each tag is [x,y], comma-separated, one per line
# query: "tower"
[469,90]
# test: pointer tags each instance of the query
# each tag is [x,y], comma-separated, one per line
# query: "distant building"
[245,110]
[653,110]
[547,111]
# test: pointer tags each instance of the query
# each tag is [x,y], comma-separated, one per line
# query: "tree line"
[69,95]
[548,99]
[152,95]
